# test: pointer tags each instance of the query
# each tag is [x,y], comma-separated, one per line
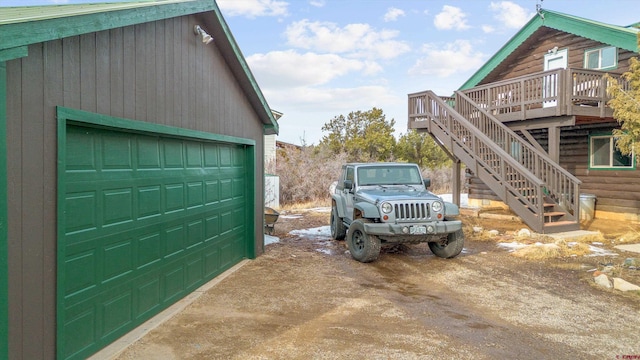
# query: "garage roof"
[25,25]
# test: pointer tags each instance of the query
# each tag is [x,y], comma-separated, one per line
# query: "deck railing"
[548,93]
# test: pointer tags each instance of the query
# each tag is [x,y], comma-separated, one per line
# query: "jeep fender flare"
[451,210]
[340,205]
[368,210]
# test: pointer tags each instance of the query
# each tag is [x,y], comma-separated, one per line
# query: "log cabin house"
[533,127]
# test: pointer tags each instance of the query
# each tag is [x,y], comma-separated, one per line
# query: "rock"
[631,262]
[524,233]
[494,232]
[477,229]
[603,280]
[607,268]
[622,285]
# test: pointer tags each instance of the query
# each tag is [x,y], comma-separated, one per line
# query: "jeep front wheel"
[449,247]
[338,230]
[362,246]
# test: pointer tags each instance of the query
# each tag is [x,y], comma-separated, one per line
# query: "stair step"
[554,213]
[560,226]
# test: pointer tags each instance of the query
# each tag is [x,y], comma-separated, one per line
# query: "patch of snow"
[294,216]
[324,251]
[464,199]
[512,246]
[322,232]
[268,239]
[321,209]
[596,251]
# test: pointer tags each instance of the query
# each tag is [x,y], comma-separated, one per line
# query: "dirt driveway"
[305,298]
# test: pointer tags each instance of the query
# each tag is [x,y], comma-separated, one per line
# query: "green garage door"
[147,219]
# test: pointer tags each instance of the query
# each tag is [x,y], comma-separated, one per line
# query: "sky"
[317,59]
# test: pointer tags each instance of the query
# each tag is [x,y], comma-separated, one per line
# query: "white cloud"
[511,15]
[487,29]
[456,57]
[253,8]
[334,100]
[287,69]
[355,40]
[317,3]
[393,14]
[451,17]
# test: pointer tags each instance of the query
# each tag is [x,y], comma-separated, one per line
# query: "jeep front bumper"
[413,229]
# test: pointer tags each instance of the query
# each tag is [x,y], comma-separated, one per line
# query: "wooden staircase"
[543,194]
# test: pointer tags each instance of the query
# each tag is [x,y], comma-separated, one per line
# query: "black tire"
[338,230]
[450,248]
[362,246]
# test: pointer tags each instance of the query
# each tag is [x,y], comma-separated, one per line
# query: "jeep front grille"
[412,211]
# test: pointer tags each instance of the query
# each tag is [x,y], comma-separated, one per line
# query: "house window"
[604,154]
[602,58]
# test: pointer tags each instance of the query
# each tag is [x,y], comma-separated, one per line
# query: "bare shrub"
[306,174]
[441,179]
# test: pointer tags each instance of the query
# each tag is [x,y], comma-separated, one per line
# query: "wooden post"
[456,181]
[554,143]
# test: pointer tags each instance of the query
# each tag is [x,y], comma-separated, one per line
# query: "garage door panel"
[148,250]
[145,224]
[117,206]
[116,312]
[116,152]
[148,153]
[147,299]
[81,212]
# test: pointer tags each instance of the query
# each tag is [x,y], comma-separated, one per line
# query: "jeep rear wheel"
[450,247]
[338,230]
[362,246]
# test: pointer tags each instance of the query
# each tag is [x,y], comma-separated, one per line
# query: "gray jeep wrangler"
[377,204]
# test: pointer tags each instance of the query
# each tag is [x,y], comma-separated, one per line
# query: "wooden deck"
[550,93]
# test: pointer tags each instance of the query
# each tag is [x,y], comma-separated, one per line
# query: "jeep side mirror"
[427,183]
[348,184]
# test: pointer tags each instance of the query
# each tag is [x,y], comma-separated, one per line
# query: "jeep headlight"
[386,207]
[436,206]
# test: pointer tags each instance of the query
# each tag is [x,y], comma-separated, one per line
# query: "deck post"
[554,143]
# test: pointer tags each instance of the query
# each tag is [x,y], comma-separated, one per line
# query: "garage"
[134,168]
[145,218]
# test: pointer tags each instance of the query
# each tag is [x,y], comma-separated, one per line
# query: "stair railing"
[560,185]
[495,166]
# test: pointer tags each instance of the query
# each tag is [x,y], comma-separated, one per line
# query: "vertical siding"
[15,204]
[156,72]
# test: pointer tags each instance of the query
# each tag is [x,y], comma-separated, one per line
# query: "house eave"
[621,37]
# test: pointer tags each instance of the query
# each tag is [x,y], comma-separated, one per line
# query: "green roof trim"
[27,25]
[618,36]
[23,26]
[272,126]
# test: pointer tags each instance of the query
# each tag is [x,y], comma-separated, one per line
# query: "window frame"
[599,50]
[612,150]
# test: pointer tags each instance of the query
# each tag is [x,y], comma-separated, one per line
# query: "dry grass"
[629,237]
[555,250]
[325,202]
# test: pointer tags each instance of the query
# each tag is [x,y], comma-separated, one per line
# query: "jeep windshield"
[389,175]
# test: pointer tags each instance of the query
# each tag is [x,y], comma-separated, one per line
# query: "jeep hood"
[395,193]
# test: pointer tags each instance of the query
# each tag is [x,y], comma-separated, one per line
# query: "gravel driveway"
[305,298]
